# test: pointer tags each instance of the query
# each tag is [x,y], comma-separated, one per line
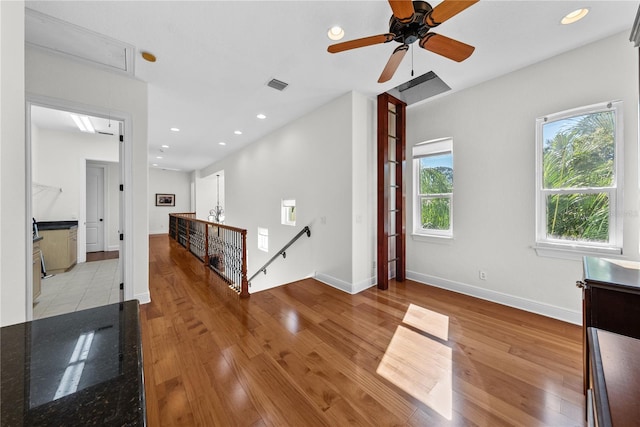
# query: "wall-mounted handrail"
[306,230]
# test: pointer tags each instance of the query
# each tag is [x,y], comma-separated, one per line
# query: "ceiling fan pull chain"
[411,60]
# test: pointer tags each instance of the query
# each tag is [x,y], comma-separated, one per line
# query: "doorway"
[95,208]
[79,155]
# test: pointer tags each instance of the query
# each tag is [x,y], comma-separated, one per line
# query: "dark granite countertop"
[77,369]
[56,225]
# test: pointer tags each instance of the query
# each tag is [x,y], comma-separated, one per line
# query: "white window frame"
[263,239]
[559,248]
[420,150]
[288,212]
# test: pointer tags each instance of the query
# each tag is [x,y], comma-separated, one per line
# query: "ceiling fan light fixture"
[335,33]
[574,16]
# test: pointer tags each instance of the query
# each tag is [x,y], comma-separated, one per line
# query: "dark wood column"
[391,165]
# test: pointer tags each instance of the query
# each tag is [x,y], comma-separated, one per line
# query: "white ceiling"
[61,121]
[215,57]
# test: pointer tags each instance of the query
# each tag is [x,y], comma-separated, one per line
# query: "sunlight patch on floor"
[427,321]
[420,365]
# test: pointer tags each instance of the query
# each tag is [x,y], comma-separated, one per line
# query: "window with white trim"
[579,179]
[288,212]
[263,239]
[433,188]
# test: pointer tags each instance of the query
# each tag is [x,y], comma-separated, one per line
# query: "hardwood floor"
[102,256]
[306,354]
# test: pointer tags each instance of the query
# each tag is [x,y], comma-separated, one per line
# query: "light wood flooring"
[306,354]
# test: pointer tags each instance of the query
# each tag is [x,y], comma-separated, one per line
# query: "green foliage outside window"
[435,211]
[579,155]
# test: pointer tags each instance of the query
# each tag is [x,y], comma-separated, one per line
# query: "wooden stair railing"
[220,247]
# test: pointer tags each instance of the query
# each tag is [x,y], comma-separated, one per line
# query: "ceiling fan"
[410,22]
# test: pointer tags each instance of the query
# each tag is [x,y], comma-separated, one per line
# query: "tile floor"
[87,285]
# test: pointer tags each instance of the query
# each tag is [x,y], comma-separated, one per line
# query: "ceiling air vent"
[420,88]
[277,84]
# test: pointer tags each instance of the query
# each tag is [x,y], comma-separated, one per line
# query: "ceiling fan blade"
[393,63]
[365,41]
[402,9]
[447,47]
[446,10]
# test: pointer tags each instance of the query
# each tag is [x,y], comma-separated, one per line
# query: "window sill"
[432,238]
[574,252]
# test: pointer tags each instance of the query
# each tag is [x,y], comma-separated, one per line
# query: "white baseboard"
[113,248]
[158,232]
[547,310]
[332,281]
[143,298]
[364,284]
[347,287]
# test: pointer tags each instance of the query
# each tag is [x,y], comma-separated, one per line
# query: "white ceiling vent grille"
[277,84]
[52,34]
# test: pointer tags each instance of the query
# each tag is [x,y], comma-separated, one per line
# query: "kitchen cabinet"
[60,248]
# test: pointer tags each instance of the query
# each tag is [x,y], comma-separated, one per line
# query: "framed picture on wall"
[165,199]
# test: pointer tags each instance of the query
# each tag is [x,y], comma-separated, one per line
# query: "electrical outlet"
[482,274]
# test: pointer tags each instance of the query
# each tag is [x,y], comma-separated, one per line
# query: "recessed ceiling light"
[222,143]
[148,56]
[165,146]
[158,157]
[335,33]
[574,16]
[237,132]
[261,116]
[175,130]
[155,164]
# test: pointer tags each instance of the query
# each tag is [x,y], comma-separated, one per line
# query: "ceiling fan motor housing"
[416,29]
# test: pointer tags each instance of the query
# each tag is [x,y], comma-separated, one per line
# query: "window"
[433,188]
[263,239]
[288,212]
[579,179]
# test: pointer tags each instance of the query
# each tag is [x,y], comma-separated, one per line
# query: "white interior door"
[95,208]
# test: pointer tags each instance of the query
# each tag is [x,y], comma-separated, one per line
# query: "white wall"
[102,92]
[167,182]
[309,160]
[60,161]
[364,194]
[493,129]
[13,195]
[206,190]
[113,205]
